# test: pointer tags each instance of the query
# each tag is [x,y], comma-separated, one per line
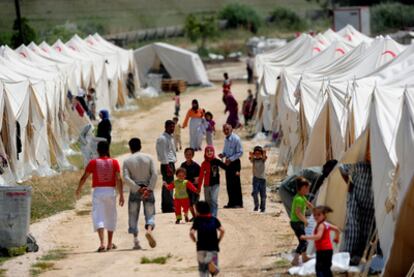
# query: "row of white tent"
[337,96]
[37,119]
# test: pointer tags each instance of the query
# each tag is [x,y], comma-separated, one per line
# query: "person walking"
[247,107]
[106,179]
[250,68]
[258,159]
[193,171]
[226,86]
[233,108]
[167,157]
[232,152]
[195,115]
[104,126]
[177,103]
[141,176]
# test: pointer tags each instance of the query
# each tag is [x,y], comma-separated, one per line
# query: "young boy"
[193,171]
[206,227]
[258,158]
[177,103]
[297,217]
[181,200]
[177,135]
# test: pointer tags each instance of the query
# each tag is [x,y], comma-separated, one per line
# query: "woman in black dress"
[104,127]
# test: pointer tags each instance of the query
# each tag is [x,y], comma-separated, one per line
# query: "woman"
[104,127]
[196,130]
[233,108]
[226,86]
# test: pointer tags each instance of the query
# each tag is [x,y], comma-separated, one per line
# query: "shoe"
[112,247]
[262,210]
[186,219]
[136,246]
[255,209]
[101,249]
[212,268]
[177,221]
[151,239]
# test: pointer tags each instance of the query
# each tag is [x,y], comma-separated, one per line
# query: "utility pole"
[19,20]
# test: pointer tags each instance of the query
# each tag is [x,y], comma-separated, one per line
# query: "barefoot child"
[211,129]
[193,171]
[206,226]
[181,200]
[177,103]
[258,158]
[177,135]
[323,244]
[297,217]
[210,176]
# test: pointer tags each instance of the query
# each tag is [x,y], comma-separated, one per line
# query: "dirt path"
[251,239]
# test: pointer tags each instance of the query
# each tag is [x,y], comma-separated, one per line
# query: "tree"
[200,29]
[29,34]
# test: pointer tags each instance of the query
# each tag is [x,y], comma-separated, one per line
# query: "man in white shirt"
[167,157]
[141,176]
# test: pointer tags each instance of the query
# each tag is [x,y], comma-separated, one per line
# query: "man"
[106,179]
[141,176]
[249,68]
[167,157]
[287,188]
[232,152]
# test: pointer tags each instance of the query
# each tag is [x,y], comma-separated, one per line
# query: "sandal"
[151,240]
[101,249]
[113,246]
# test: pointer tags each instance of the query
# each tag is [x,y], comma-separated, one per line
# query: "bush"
[29,34]
[238,15]
[392,16]
[200,28]
[287,19]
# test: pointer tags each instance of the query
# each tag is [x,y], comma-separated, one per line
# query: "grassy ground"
[157,260]
[125,15]
[46,262]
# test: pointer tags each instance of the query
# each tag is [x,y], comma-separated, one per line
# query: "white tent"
[180,64]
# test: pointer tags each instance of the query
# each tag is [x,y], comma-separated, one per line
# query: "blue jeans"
[134,207]
[211,196]
[259,187]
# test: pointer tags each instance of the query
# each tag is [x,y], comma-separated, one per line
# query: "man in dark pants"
[167,157]
[232,152]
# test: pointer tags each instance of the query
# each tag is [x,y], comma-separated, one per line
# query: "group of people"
[180,190]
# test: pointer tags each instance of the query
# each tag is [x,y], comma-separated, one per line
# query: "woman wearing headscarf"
[195,115]
[233,108]
[104,126]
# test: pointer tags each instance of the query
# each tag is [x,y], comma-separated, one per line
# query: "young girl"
[323,244]
[177,103]
[181,200]
[177,135]
[210,127]
[210,175]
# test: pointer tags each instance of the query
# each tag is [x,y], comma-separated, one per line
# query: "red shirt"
[325,242]
[103,172]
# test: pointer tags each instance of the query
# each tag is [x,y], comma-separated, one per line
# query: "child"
[297,217]
[258,158]
[193,171]
[211,129]
[180,187]
[210,175]
[323,244]
[207,241]
[176,99]
[177,135]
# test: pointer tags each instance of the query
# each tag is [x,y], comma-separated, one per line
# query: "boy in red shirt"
[105,179]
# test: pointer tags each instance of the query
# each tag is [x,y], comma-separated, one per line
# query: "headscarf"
[206,167]
[195,102]
[209,147]
[105,114]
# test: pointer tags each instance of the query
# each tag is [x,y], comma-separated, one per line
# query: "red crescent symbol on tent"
[349,37]
[340,50]
[90,42]
[23,55]
[44,49]
[321,42]
[390,52]
[317,49]
[58,48]
[73,48]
